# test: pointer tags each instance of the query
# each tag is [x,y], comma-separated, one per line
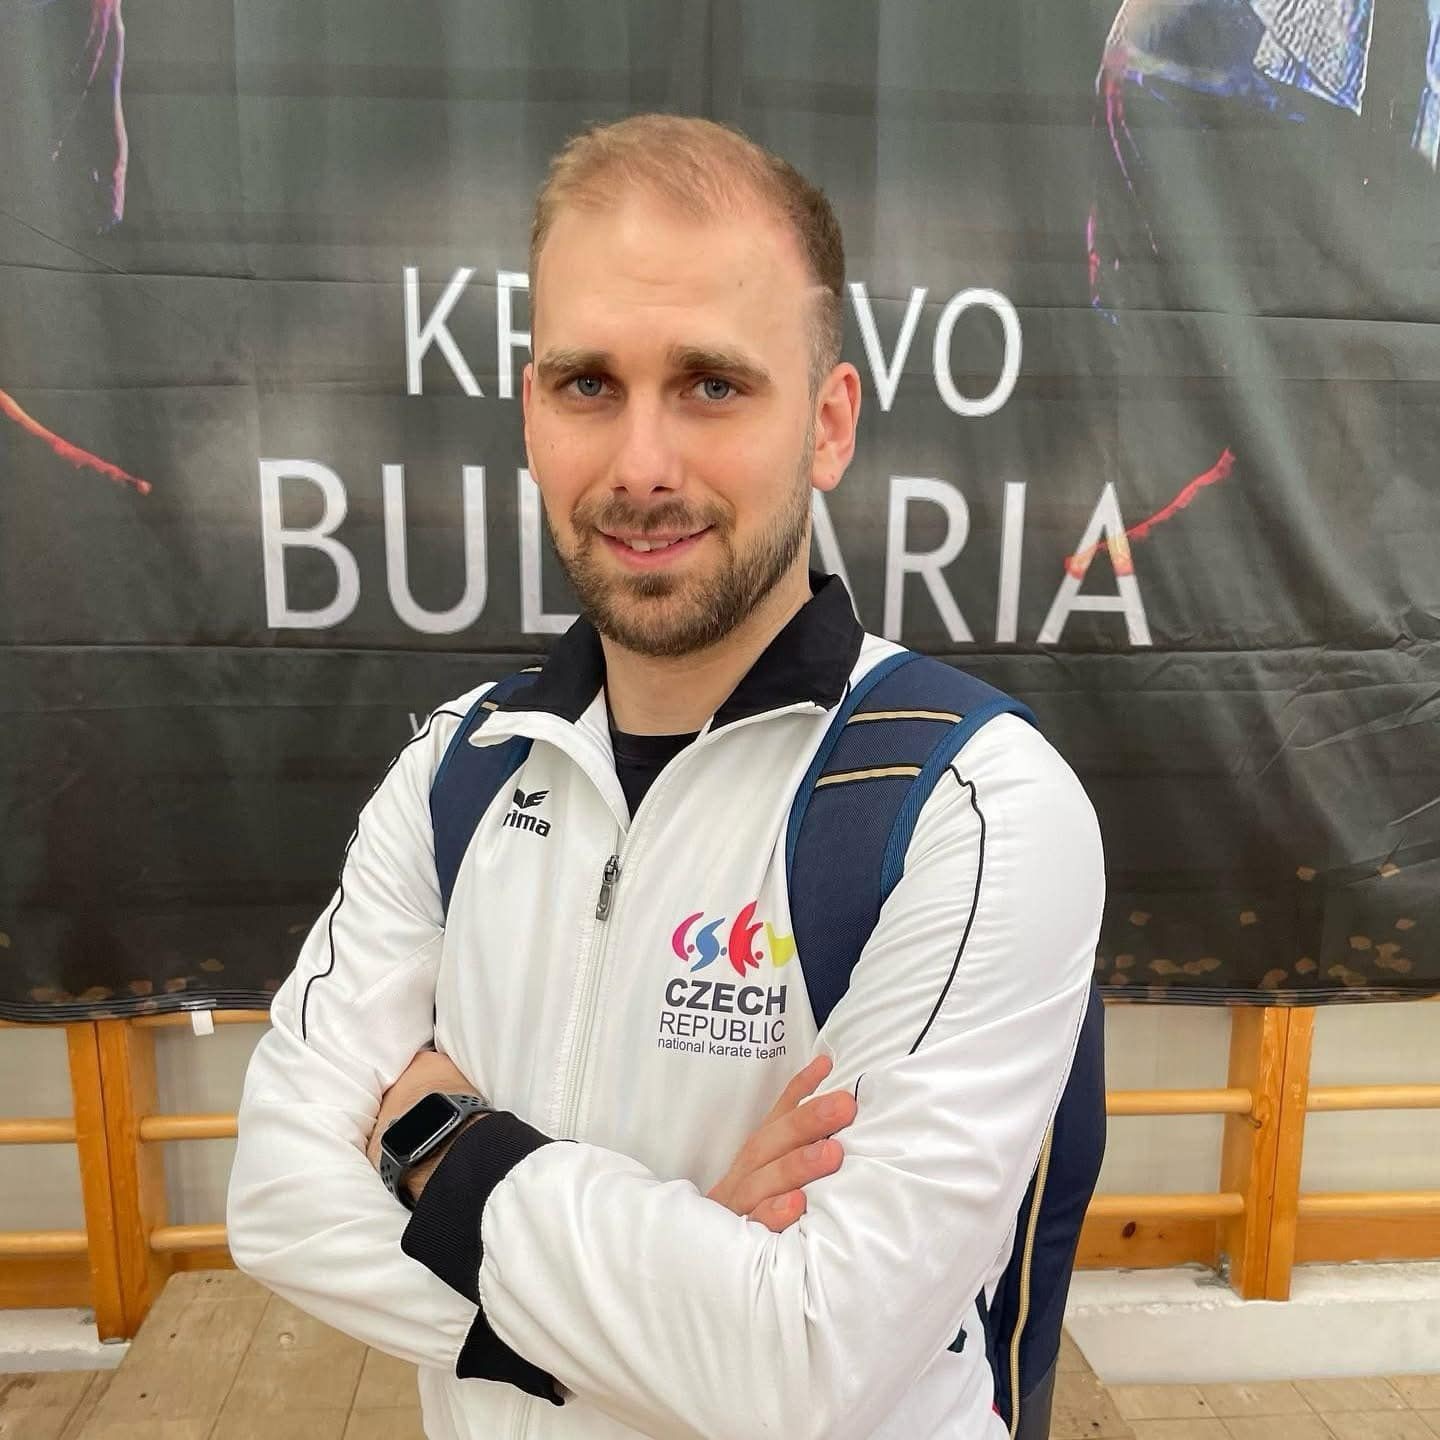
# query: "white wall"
[1154,1046]
[1148,1046]
[201,1074]
[39,1184]
[1381,1150]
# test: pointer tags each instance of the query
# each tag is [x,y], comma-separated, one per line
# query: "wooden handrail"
[1370,1202]
[261,1017]
[1373,1097]
[1166,1207]
[188,1127]
[156,1022]
[29,1244]
[1231,1101]
[175,1019]
[175,1239]
[1234,1101]
[38,1130]
[1117,1103]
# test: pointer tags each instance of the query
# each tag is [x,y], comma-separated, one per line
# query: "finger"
[780,1212]
[791,1172]
[812,1121]
[804,1082]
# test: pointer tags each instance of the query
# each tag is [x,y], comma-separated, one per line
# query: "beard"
[666,616]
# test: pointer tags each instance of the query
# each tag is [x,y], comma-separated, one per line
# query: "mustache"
[613,513]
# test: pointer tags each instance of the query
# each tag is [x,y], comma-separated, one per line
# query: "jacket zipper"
[604,908]
[608,881]
[585,1020]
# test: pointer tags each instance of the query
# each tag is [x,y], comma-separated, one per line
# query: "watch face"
[419,1125]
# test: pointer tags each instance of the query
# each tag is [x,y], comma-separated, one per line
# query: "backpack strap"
[887,747]
[882,756]
[468,778]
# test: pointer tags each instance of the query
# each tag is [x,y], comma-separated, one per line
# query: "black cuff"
[485,1356]
[444,1230]
[444,1236]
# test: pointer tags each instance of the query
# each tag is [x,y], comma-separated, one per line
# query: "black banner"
[1145,306]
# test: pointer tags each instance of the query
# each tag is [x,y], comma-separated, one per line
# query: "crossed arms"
[641,1296]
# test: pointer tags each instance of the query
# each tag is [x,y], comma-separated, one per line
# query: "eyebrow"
[557,366]
[697,360]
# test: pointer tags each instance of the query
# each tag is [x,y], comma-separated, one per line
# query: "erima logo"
[520,817]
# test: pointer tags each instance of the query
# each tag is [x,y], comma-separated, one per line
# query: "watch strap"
[393,1170]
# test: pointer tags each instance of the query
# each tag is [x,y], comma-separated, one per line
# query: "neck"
[664,696]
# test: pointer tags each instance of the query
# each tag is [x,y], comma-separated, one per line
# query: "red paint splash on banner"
[71,454]
[1119,545]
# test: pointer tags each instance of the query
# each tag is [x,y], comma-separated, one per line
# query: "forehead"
[643,276]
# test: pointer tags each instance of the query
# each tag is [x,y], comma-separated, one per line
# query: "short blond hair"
[705,169]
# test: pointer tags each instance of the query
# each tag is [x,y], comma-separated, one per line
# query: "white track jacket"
[590,1289]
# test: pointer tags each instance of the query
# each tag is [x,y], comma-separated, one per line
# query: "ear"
[837,413]
[527,380]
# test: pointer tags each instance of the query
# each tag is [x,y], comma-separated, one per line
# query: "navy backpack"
[889,744]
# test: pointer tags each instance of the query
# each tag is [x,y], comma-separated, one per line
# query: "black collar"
[810,659]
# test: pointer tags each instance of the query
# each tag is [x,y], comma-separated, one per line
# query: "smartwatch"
[414,1136]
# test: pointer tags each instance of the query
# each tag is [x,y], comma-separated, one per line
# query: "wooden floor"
[220,1359]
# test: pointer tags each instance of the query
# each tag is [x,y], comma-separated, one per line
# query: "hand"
[428,1073]
[791,1148]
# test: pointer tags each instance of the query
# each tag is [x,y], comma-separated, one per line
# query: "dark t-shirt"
[640,758]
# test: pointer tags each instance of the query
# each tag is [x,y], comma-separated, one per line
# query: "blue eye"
[716,388]
[584,383]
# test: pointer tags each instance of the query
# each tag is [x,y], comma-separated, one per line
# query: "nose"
[646,464]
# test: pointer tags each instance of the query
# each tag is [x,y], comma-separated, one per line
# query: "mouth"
[652,552]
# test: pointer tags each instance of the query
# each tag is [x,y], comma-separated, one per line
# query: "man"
[705,1259]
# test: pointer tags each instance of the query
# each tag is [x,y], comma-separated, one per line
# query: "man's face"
[668,416]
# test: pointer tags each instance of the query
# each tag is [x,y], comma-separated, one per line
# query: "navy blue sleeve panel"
[444,1236]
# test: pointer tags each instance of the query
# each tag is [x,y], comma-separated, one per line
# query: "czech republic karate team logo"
[739,948]
[713,1016]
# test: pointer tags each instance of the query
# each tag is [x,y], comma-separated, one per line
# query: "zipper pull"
[608,882]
